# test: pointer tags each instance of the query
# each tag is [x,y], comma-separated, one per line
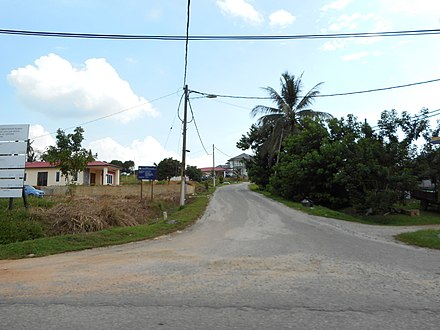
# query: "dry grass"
[88,214]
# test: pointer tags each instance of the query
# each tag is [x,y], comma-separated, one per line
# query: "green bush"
[16,230]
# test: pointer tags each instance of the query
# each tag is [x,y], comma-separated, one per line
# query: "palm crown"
[286,118]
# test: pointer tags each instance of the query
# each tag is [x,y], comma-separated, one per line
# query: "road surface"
[249,263]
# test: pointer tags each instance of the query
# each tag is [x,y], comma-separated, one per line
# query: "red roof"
[217,169]
[49,165]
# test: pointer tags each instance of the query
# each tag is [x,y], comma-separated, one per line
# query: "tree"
[126,167]
[292,106]
[68,153]
[30,152]
[194,173]
[167,168]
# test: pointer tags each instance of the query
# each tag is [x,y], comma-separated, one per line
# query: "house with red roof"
[45,174]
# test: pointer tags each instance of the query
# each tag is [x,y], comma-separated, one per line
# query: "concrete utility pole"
[182,172]
[213,166]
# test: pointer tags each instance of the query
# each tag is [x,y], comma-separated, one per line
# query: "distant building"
[238,164]
[220,170]
[97,173]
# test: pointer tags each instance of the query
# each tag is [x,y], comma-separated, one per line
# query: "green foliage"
[68,153]
[168,168]
[126,167]
[429,238]
[343,162]
[15,226]
[194,173]
[292,107]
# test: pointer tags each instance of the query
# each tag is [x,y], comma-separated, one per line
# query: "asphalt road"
[249,263]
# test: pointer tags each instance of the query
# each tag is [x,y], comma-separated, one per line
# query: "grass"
[58,244]
[424,238]
[429,238]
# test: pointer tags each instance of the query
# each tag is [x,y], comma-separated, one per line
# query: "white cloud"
[143,152]
[336,5]
[355,23]
[53,86]
[281,18]
[414,8]
[40,138]
[240,8]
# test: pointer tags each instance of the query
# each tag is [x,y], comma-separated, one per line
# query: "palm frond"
[263,110]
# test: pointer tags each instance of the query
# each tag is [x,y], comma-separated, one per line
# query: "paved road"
[249,263]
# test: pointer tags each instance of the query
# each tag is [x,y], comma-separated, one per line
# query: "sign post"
[13,149]
[147,173]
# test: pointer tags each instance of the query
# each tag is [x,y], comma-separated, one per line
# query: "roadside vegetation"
[340,163]
[38,231]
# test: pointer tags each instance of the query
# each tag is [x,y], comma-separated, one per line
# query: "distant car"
[31,191]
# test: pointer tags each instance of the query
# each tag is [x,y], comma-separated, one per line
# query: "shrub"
[16,230]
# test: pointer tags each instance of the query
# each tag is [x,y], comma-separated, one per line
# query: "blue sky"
[126,93]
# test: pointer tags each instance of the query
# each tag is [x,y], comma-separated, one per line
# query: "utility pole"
[213,166]
[182,172]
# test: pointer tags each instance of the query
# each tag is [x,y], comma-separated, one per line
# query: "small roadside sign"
[147,172]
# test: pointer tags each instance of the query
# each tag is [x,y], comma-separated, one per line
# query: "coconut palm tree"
[291,108]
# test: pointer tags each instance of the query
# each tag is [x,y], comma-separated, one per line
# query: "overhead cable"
[220,37]
[211,95]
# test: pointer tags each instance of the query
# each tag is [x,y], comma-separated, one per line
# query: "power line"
[197,129]
[380,89]
[211,95]
[174,120]
[222,152]
[220,37]
[108,116]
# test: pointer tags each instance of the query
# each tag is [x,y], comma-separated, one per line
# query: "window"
[109,179]
[42,179]
[57,177]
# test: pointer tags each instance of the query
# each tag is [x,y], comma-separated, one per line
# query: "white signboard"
[14,132]
[13,147]
[8,148]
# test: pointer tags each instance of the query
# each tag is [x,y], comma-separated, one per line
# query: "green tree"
[292,106]
[167,168]
[308,165]
[126,167]
[194,173]
[68,153]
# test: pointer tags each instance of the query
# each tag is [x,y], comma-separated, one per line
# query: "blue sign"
[147,172]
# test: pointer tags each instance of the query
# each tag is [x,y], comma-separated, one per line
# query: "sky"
[127,94]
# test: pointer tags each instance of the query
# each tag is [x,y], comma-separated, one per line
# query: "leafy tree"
[308,166]
[167,168]
[194,173]
[344,162]
[292,106]
[126,167]
[68,153]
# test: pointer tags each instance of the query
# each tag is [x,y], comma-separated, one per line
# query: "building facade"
[43,174]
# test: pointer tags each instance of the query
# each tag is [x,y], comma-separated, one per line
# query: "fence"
[159,190]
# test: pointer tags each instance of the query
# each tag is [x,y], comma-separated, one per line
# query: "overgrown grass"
[57,244]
